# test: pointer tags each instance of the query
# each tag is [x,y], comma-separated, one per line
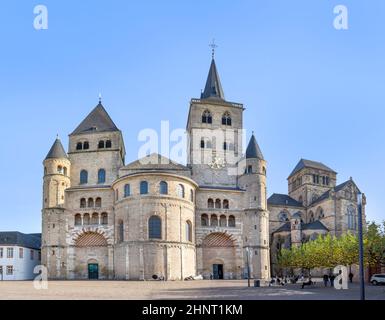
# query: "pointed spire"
[57,151]
[253,150]
[213,88]
[97,121]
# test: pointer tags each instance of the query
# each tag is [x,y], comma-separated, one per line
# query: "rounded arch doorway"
[219,256]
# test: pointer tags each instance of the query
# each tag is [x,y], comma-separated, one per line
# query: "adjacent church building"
[105,219]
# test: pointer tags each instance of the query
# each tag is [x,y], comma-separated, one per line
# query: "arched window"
[188,231]
[78,220]
[86,145]
[104,218]
[218,204]
[98,202]
[192,195]
[90,203]
[86,219]
[120,231]
[101,176]
[83,203]
[83,177]
[202,144]
[155,228]
[163,187]
[249,169]
[311,217]
[225,146]
[95,218]
[127,191]
[210,203]
[225,204]
[207,117]
[108,144]
[283,217]
[60,169]
[231,221]
[264,171]
[180,190]
[101,144]
[143,187]
[226,119]
[223,221]
[65,171]
[204,220]
[214,220]
[320,213]
[352,222]
[79,146]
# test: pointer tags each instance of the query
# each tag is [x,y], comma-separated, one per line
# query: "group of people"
[331,277]
[306,282]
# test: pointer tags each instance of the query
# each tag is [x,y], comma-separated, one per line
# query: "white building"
[19,254]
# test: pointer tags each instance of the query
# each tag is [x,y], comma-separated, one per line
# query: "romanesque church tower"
[57,168]
[231,213]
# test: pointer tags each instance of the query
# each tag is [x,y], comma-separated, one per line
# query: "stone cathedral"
[154,218]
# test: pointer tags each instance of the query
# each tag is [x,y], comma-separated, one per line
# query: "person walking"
[332,277]
[326,279]
[351,275]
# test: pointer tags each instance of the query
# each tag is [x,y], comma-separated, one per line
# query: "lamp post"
[248,266]
[361,247]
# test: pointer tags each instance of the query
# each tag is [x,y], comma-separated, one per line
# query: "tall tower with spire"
[57,167]
[256,215]
[214,128]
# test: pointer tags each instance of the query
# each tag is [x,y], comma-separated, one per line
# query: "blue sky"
[310,91]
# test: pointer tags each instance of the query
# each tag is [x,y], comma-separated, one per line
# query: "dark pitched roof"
[253,150]
[284,228]
[316,225]
[284,200]
[57,151]
[97,121]
[213,88]
[32,241]
[303,163]
[155,162]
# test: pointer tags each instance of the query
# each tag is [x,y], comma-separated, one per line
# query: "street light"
[361,247]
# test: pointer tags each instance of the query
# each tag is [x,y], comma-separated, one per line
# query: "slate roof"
[303,163]
[14,238]
[97,121]
[286,227]
[284,200]
[213,88]
[253,150]
[155,162]
[316,225]
[57,151]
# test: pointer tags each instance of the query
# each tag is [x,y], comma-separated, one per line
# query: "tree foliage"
[329,251]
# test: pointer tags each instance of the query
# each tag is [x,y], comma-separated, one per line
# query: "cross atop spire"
[100,98]
[213,46]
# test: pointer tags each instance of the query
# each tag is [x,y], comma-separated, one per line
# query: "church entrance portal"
[93,271]
[218,271]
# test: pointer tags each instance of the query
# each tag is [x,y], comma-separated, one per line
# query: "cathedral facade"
[154,218]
